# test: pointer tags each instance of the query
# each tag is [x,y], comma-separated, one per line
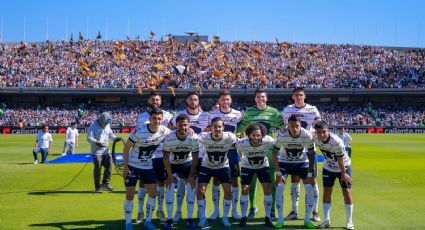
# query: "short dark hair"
[44,126]
[216,119]
[260,90]
[321,125]
[73,123]
[294,117]
[155,111]
[298,89]
[182,117]
[192,93]
[153,94]
[256,126]
[224,92]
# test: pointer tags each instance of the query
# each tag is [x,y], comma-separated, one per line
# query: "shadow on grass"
[256,223]
[41,193]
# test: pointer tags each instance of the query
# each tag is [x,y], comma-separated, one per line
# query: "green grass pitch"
[388,189]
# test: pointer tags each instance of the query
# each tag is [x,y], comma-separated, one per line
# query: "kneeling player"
[179,151]
[138,164]
[336,165]
[215,145]
[254,149]
[294,160]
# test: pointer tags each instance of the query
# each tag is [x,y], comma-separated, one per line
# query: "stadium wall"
[128,129]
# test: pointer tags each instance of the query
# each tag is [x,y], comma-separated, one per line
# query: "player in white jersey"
[42,144]
[71,140]
[154,101]
[215,145]
[336,165]
[138,165]
[179,149]
[231,118]
[297,158]
[346,138]
[308,114]
[198,123]
[254,149]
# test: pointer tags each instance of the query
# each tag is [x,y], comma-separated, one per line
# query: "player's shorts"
[234,160]
[263,175]
[146,176]
[294,169]
[159,169]
[205,174]
[182,169]
[329,178]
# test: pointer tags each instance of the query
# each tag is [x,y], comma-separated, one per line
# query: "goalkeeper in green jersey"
[272,120]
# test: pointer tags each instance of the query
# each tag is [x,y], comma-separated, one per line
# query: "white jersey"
[346,138]
[294,149]
[44,139]
[216,151]
[71,134]
[231,119]
[307,115]
[145,144]
[255,157]
[180,150]
[143,118]
[331,150]
[198,122]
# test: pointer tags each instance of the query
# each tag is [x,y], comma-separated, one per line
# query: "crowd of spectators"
[215,65]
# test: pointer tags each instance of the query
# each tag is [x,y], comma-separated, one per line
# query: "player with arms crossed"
[231,118]
[308,114]
[297,158]
[138,151]
[254,149]
[179,151]
[336,165]
[215,146]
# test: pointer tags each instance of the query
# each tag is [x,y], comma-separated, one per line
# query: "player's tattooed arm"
[311,160]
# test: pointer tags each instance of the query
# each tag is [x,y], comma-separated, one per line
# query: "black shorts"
[182,170]
[295,169]
[263,175]
[147,176]
[205,174]
[234,160]
[159,168]
[329,178]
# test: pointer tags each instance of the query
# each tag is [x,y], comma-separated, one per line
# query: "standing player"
[198,123]
[154,101]
[42,144]
[346,138]
[71,140]
[215,146]
[231,118]
[271,119]
[336,165]
[179,149]
[294,160]
[254,149]
[308,114]
[143,142]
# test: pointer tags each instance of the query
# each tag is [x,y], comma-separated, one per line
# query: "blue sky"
[385,23]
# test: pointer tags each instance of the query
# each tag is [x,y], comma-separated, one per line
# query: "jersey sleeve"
[243,124]
[278,120]
[134,137]
[317,114]
[195,144]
